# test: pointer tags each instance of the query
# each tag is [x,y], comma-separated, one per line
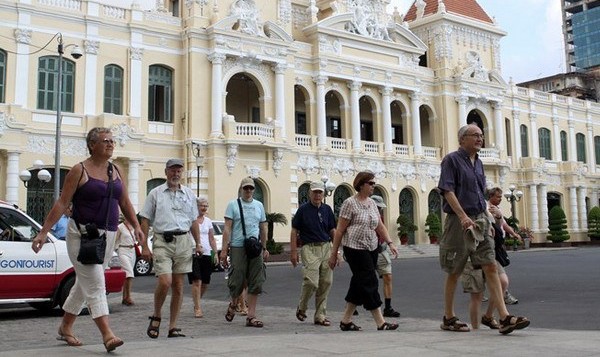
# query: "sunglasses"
[248,188]
[372,183]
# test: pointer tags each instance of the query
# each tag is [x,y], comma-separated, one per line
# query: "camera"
[76,52]
[91,231]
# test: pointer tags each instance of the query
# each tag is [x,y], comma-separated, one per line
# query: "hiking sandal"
[350,326]
[175,332]
[490,322]
[301,314]
[153,329]
[230,313]
[387,326]
[454,324]
[511,323]
[253,322]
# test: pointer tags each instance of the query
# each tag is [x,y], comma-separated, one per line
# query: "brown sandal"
[112,343]
[253,322]
[153,329]
[230,313]
[301,314]
[69,339]
[323,322]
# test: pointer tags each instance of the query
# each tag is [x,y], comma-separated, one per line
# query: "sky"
[533,47]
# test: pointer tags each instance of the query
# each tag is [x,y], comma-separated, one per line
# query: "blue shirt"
[314,223]
[465,179]
[60,228]
[254,214]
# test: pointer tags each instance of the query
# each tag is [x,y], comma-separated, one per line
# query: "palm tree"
[273,218]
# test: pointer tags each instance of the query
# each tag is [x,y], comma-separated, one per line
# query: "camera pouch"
[93,246]
[253,247]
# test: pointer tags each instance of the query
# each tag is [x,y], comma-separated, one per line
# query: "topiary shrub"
[405,227]
[557,225]
[594,223]
[434,227]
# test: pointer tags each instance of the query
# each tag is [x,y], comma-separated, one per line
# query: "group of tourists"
[184,244]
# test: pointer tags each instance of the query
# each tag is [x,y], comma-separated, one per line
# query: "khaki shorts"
[174,257]
[384,261]
[454,248]
[472,279]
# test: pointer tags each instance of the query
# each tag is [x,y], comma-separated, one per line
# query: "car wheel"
[142,267]
[65,289]
[46,306]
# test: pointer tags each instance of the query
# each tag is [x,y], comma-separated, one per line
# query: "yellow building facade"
[286,91]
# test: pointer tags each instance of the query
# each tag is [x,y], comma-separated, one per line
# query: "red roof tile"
[468,8]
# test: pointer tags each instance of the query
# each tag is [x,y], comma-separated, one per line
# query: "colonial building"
[286,91]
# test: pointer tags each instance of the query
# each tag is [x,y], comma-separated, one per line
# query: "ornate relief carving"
[23,36]
[136,53]
[475,68]
[91,47]
[442,42]
[300,16]
[216,58]
[46,145]
[121,132]
[246,63]
[327,44]
[308,164]
[285,11]
[253,171]
[2,123]
[189,3]
[407,171]
[247,14]
[369,19]
[344,168]
[277,161]
[232,151]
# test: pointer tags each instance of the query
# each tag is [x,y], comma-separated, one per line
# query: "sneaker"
[390,312]
[484,299]
[509,299]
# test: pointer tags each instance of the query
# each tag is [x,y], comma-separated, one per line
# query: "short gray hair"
[93,136]
[201,199]
[463,131]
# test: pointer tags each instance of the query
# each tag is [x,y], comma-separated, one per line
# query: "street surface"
[557,289]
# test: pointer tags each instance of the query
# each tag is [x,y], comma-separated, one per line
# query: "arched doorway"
[243,99]
[406,205]
[339,196]
[474,117]
[303,193]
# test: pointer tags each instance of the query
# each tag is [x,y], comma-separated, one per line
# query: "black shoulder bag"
[252,245]
[501,254]
[93,245]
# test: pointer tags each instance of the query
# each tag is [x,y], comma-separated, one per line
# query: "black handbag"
[252,245]
[93,245]
[501,254]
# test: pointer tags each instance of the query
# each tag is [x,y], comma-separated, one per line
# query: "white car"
[42,280]
[218,227]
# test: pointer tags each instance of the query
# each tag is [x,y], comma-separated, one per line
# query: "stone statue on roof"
[370,19]
[247,13]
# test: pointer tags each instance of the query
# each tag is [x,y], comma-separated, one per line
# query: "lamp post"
[329,187]
[76,53]
[197,151]
[43,177]
[513,196]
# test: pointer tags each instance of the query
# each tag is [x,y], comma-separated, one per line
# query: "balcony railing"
[254,129]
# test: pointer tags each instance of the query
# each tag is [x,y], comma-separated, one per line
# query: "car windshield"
[218,227]
[15,227]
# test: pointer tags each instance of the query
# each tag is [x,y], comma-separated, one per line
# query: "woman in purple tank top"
[87,186]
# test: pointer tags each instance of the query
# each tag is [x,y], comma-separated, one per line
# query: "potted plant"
[434,227]
[405,227]
[594,223]
[272,218]
[526,235]
[557,225]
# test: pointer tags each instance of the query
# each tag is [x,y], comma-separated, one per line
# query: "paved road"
[558,290]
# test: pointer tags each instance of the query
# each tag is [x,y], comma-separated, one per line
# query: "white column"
[573,205]
[279,70]
[135,82]
[216,102]
[543,204]
[462,110]
[133,184]
[499,126]
[91,78]
[533,209]
[12,177]
[516,136]
[571,141]
[387,120]
[581,192]
[556,139]
[533,134]
[21,84]
[416,123]
[321,118]
[594,198]
[355,115]
[589,141]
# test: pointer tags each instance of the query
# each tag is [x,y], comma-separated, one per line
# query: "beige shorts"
[174,257]
[472,279]
[384,262]
[455,250]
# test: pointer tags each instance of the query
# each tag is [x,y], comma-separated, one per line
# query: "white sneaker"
[509,299]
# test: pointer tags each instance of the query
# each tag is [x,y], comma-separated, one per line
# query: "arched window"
[2,75]
[563,146]
[113,89]
[580,141]
[597,149]
[545,145]
[339,196]
[151,184]
[303,193]
[47,93]
[524,141]
[160,94]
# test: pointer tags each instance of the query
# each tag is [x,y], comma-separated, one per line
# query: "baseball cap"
[174,162]
[247,181]
[379,201]
[317,186]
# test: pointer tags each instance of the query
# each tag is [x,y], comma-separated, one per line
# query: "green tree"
[434,226]
[594,223]
[272,218]
[405,226]
[557,225]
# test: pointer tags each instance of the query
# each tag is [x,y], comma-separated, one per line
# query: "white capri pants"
[89,288]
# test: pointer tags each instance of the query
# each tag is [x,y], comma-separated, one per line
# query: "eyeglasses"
[248,188]
[372,183]
[203,206]
[476,136]
[108,142]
